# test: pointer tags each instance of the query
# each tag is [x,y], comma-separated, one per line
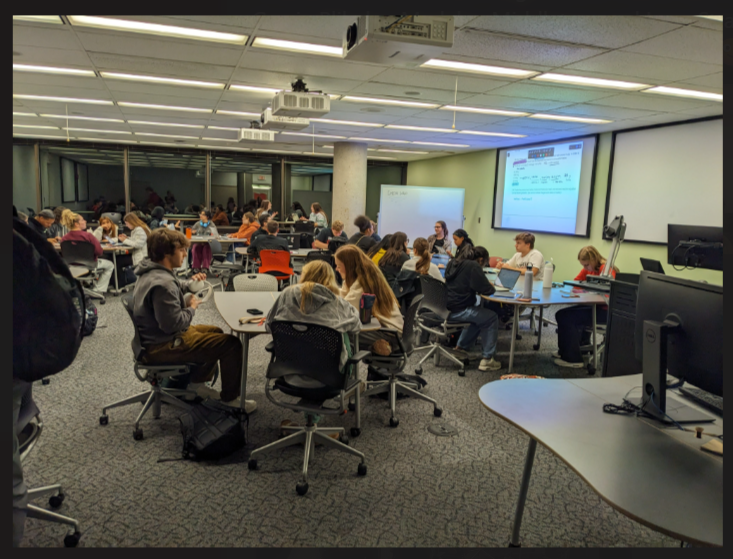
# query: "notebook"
[508,279]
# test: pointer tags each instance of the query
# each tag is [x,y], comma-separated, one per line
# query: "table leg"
[244,338]
[595,347]
[539,330]
[515,329]
[117,283]
[529,460]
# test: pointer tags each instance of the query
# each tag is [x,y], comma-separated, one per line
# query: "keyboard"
[594,286]
[703,399]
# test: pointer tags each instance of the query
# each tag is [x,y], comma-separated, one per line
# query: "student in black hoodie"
[465,280]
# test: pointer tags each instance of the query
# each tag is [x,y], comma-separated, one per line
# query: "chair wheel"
[437,412]
[301,488]
[362,470]
[418,371]
[461,372]
[352,406]
[355,431]
[252,464]
[343,439]
[72,540]
[137,434]
[103,419]
[102,302]
[45,381]
[591,369]
[466,362]
[56,500]
[536,347]
[393,422]
[519,337]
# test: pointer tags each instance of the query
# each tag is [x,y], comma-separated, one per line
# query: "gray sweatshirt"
[158,306]
[325,309]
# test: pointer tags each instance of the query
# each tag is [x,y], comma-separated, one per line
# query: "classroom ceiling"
[684,52]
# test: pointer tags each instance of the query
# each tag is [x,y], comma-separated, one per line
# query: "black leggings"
[572,329]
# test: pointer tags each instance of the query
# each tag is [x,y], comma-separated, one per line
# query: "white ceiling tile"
[644,68]
[160,67]
[427,95]
[710,110]
[659,118]
[309,65]
[444,119]
[604,112]
[53,81]
[536,90]
[511,103]
[712,82]
[283,80]
[369,109]
[645,101]
[438,80]
[41,56]
[521,51]
[601,31]
[57,37]
[328,28]
[78,91]
[682,20]
[688,43]
[708,24]
[162,94]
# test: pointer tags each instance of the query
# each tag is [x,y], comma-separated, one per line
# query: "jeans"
[572,325]
[201,255]
[483,321]
[231,254]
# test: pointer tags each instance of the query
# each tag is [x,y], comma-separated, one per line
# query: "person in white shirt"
[526,253]
[138,238]
[420,262]
[106,229]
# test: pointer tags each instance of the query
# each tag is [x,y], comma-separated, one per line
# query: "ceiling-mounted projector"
[402,40]
[299,102]
[272,122]
[256,135]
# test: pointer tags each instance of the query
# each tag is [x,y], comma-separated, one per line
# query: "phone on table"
[254,311]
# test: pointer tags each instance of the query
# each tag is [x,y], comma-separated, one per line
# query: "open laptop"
[652,265]
[508,279]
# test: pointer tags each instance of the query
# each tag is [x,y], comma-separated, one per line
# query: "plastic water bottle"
[547,278]
[528,278]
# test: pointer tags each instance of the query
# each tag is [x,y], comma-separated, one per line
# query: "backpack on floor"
[90,319]
[212,430]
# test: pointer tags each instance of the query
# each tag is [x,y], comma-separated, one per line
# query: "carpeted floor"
[421,490]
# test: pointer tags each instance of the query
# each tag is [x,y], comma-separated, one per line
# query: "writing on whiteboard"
[396,193]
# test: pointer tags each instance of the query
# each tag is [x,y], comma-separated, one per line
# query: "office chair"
[335,243]
[81,253]
[28,430]
[395,364]
[436,322]
[254,282]
[153,375]
[220,266]
[305,365]
[114,216]
[276,263]
[600,348]
[494,260]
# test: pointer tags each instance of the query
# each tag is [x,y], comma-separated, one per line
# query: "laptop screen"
[508,278]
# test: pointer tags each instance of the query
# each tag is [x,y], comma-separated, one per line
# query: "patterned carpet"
[421,490]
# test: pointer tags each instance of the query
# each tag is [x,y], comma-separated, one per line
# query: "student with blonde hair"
[327,233]
[138,239]
[76,225]
[315,300]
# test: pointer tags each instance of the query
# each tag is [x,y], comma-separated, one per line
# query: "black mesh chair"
[81,253]
[433,319]
[395,364]
[334,243]
[305,367]
[220,266]
[153,375]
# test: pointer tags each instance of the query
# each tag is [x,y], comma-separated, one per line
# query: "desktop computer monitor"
[695,246]
[679,330]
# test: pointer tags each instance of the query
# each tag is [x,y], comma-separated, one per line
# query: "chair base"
[151,399]
[393,387]
[33,511]
[436,350]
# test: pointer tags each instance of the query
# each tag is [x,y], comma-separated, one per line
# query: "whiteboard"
[668,174]
[415,209]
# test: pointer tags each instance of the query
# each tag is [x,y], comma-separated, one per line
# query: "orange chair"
[277,261]
[494,260]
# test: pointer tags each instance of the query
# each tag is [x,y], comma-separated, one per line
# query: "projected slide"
[541,187]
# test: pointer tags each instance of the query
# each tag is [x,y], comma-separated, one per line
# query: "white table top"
[200,239]
[297,253]
[552,296]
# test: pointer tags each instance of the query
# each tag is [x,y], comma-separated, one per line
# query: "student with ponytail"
[420,261]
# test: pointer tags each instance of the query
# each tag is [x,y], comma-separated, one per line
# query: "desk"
[652,473]
[233,305]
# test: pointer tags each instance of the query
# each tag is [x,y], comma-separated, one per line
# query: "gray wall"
[307,197]
[24,178]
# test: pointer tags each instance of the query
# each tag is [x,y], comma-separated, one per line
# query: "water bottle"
[547,278]
[528,278]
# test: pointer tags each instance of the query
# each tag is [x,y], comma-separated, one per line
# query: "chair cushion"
[305,387]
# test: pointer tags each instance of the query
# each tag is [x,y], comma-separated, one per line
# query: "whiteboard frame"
[610,169]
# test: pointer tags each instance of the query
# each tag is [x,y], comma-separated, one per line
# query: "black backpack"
[48,307]
[212,430]
[90,318]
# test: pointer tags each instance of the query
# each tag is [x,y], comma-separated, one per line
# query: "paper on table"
[249,319]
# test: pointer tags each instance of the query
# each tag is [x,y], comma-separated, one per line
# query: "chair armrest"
[390,330]
[358,356]
[270,347]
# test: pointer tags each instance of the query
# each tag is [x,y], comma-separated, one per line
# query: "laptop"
[652,265]
[508,279]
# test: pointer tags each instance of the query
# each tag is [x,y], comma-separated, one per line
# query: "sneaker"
[204,391]
[556,355]
[489,365]
[459,352]
[563,363]
[249,405]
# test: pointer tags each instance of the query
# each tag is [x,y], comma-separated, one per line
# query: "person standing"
[153,197]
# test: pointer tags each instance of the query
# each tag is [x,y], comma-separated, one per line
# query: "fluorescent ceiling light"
[147,143]
[570,118]
[220,139]
[404,151]
[158,79]
[481,110]
[502,134]
[477,68]
[52,70]
[72,117]
[223,128]
[108,140]
[334,97]
[24,114]
[439,144]
[97,130]
[38,136]
[254,88]
[278,151]
[714,18]
[379,140]
[35,126]
[164,124]
[421,128]
[278,44]
[316,136]
[166,135]
[237,113]
[595,82]
[44,19]
[685,93]
[378,157]
[224,147]
[390,102]
[162,107]
[346,122]
[157,29]
[62,99]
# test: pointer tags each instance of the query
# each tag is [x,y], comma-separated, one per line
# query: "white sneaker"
[563,363]
[249,405]
[204,391]
[489,365]
[556,355]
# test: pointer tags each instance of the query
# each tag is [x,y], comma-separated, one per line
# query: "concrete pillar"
[349,183]
[280,186]
[249,192]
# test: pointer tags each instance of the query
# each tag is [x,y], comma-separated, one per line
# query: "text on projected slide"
[541,188]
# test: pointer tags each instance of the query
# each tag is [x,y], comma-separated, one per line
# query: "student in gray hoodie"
[163,319]
[316,300]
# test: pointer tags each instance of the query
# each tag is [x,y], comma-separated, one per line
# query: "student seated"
[363,239]
[163,319]
[317,216]
[248,227]
[574,323]
[263,219]
[420,261]
[316,300]
[266,208]
[380,249]
[439,242]
[296,211]
[42,222]
[138,239]
[156,218]
[327,233]
[464,281]
[76,226]
[58,229]
[391,263]
[220,217]
[462,242]
[526,253]
[270,241]
[374,231]
[201,252]
[106,229]
[361,276]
